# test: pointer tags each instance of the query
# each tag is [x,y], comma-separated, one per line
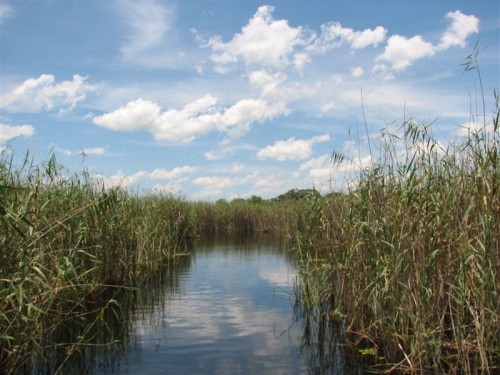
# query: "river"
[227,307]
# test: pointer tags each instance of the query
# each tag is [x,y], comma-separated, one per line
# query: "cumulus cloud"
[175,175]
[357,71]
[291,149]
[275,44]
[164,174]
[263,41]
[193,120]
[237,119]
[135,115]
[9,132]
[461,27]
[333,35]
[214,185]
[267,82]
[319,162]
[401,52]
[44,94]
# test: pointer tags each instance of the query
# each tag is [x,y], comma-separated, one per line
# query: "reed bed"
[252,215]
[408,260]
[65,241]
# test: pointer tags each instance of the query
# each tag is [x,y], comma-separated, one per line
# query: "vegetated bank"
[69,245]
[407,263]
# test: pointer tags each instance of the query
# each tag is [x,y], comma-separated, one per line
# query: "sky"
[224,99]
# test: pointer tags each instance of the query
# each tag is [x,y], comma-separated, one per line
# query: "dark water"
[226,308]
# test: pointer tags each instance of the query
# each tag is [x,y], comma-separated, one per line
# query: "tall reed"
[409,258]
[65,239]
[242,216]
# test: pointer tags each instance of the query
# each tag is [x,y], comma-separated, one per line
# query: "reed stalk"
[409,258]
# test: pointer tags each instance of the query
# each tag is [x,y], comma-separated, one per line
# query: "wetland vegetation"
[404,265]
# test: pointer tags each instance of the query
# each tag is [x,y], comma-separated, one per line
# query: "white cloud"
[215,185]
[319,171]
[237,119]
[367,37]
[184,125]
[264,41]
[120,179]
[219,154]
[300,60]
[43,94]
[85,151]
[149,21]
[94,150]
[135,115]
[324,175]
[235,168]
[267,82]
[333,35]
[319,162]
[9,132]
[401,52]
[382,71]
[6,12]
[357,71]
[291,149]
[473,127]
[461,27]
[164,174]
[193,120]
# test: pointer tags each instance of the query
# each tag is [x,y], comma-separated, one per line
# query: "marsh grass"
[65,240]
[242,216]
[409,258]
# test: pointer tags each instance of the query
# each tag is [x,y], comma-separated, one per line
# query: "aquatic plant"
[408,259]
[63,241]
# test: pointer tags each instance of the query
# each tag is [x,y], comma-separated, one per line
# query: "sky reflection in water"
[228,308]
[230,313]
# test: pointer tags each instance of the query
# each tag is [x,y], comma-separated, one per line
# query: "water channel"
[226,308]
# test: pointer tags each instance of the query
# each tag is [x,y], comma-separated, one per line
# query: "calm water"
[227,308]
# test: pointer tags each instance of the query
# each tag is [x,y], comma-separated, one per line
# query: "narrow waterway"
[226,308]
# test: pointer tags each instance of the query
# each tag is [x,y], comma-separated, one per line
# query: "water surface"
[226,308]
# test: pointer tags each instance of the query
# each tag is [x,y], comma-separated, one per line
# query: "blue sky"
[221,99]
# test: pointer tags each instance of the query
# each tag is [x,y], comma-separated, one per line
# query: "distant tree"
[294,194]
[238,200]
[255,199]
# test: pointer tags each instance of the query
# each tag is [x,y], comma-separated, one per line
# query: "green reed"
[243,216]
[410,258]
[65,239]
